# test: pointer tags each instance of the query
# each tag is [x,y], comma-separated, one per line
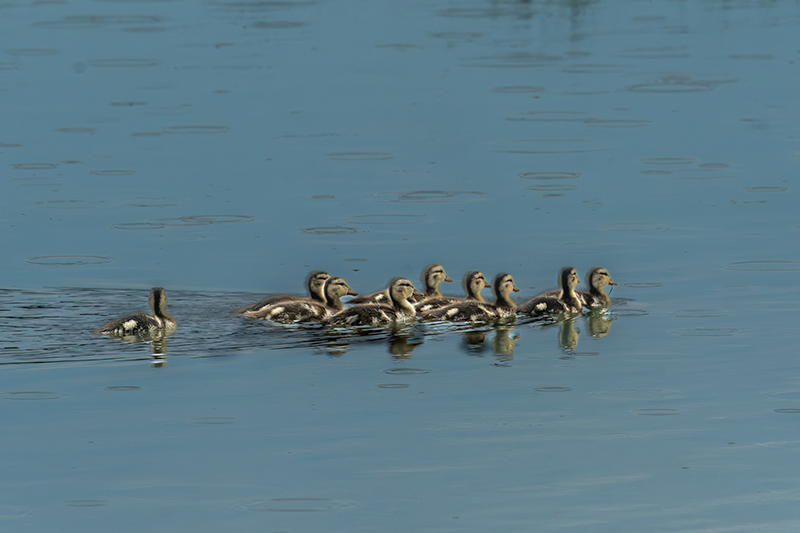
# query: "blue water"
[223,150]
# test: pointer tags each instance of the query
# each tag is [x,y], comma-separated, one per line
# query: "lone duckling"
[476,311]
[306,310]
[139,324]
[377,314]
[315,284]
[474,283]
[553,302]
[432,276]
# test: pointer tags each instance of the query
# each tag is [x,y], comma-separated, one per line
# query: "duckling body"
[596,279]
[315,284]
[474,283]
[432,276]
[558,301]
[477,311]
[143,323]
[377,314]
[306,310]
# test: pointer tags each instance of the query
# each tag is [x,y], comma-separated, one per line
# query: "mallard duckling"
[596,279]
[306,310]
[550,302]
[142,323]
[432,276]
[474,283]
[475,311]
[315,284]
[376,314]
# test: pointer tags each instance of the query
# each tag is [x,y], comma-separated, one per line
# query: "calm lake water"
[224,149]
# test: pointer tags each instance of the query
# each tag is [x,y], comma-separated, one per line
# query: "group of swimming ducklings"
[398,302]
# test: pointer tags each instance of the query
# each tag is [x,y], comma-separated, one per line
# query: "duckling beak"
[515,289]
[351,292]
[612,282]
[417,293]
[448,280]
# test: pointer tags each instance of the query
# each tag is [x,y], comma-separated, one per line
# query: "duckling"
[376,314]
[142,323]
[553,302]
[306,310]
[432,276]
[475,311]
[315,284]
[474,283]
[596,279]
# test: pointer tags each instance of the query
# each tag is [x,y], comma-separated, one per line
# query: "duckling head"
[474,283]
[401,289]
[432,276]
[503,285]
[335,288]
[568,279]
[316,281]
[598,277]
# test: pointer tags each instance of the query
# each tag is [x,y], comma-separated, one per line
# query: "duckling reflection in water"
[551,302]
[432,276]
[475,311]
[599,322]
[504,342]
[474,283]
[315,283]
[306,310]
[568,336]
[143,326]
[399,308]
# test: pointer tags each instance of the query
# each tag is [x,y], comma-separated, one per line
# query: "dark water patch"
[35,166]
[356,260]
[86,22]
[360,156]
[513,60]
[550,116]
[264,5]
[123,388]
[113,173]
[752,57]
[766,189]
[708,332]
[657,172]
[519,89]
[66,204]
[714,165]
[123,62]
[10,145]
[323,197]
[399,46]
[30,395]
[394,385]
[551,188]
[297,505]
[677,84]
[466,36]
[699,313]
[765,266]
[127,104]
[406,371]
[785,395]
[629,312]
[637,394]
[213,421]
[616,123]
[32,52]
[657,412]
[191,220]
[387,219]
[137,226]
[598,68]
[278,24]
[668,161]
[550,175]
[85,503]
[634,226]
[553,389]
[661,52]
[330,230]
[77,130]
[787,410]
[195,130]
[68,260]
[147,134]
[433,196]
[643,285]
